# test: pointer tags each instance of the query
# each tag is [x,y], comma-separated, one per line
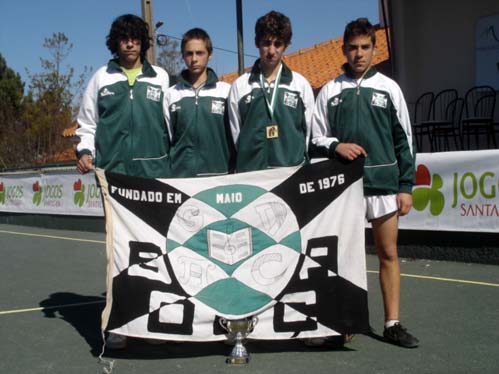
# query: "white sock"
[390,323]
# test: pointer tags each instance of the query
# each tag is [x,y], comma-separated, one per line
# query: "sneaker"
[398,335]
[116,341]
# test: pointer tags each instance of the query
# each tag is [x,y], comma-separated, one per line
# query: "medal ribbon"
[271,105]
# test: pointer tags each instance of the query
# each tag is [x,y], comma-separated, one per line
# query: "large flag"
[285,245]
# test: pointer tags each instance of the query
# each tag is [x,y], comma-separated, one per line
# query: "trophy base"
[237,360]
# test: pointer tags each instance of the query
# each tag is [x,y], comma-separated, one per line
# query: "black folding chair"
[450,128]
[479,104]
[422,114]
[441,114]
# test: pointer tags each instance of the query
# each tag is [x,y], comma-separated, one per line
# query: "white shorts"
[379,206]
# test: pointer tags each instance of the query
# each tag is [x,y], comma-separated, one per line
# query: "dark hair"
[359,27]
[128,26]
[196,33]
[273,24]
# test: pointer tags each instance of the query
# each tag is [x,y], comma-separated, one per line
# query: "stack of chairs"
[442,118]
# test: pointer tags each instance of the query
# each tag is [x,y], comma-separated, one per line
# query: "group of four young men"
[271,121]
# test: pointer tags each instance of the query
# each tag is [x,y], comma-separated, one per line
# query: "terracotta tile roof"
[322,62]
[70,131]
[67,155]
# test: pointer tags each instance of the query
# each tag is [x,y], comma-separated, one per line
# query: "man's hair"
[274,25]
[196,33]
[359,27]
[128,26]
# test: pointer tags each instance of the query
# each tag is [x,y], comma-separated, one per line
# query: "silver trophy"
[238,330]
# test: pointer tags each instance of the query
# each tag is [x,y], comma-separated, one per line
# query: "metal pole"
[240,46]
[388,30]
[147,17]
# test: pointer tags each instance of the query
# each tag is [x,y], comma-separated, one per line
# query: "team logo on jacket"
[217,107]
[174,107]
[379,99]
[153,93]
[106,92]
[248,99]
[336,101]
[290,99]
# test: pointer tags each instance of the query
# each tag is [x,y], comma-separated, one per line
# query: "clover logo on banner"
[37,195]
[430,194]
[79,193]
[2,193]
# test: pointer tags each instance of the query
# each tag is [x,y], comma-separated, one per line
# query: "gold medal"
[272,131]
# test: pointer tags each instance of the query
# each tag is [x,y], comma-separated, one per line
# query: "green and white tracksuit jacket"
[258,145]
[123,127]
[371,112]
[198,125]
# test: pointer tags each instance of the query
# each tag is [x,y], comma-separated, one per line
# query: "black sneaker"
[398,335]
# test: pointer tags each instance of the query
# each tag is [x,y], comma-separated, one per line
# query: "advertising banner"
[455,191]
[63,192]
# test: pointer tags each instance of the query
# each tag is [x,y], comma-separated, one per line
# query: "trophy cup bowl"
[238,330]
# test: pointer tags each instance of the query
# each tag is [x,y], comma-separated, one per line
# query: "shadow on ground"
[84,314]
[81,312]
[139,349]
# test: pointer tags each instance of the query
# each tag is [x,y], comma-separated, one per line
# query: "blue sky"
[25,23]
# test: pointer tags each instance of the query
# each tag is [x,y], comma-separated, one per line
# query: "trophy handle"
[254,321]
[223,323]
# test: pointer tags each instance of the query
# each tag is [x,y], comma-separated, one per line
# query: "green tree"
[169,56]
[53,99]
[11,127]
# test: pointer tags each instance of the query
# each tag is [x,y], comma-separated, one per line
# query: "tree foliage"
[169,55]
[11,99]
[31,125]
[52,100]
[11,86]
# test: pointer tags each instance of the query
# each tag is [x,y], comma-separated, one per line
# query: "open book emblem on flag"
[230,248]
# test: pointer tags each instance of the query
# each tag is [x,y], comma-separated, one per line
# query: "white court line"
[52,237]
[102,301]
[369,271]
[443,279]
[49,307]
[57,306]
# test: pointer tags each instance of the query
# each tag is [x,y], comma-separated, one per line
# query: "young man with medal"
[362,113]
[270,108]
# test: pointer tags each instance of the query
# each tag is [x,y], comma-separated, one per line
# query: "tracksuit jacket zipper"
[131,122]
[357,104]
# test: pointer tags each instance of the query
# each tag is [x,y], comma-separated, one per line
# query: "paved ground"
[51,296]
